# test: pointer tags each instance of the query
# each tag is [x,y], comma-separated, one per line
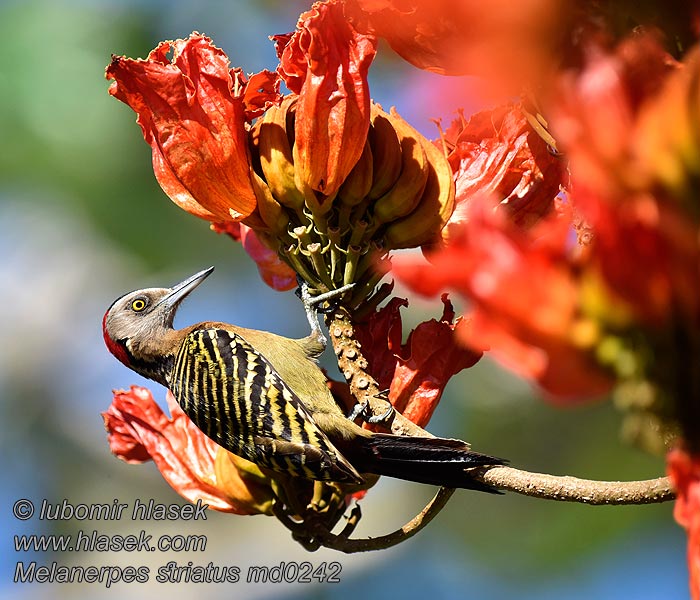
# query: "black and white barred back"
[235,396]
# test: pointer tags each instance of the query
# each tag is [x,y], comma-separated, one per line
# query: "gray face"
[136,315]
[136,325]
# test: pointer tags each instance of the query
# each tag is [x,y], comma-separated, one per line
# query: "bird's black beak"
[178,292]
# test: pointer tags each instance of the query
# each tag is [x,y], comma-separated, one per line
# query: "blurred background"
[82,220]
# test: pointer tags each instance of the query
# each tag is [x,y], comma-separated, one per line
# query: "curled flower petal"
[138,431]
[417,371]
[497,152]
[193,117]
[326,62]
[260,91]
[684,470]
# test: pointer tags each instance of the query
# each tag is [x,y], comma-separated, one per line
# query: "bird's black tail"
[436,461]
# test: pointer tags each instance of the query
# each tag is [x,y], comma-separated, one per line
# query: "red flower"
[497,152]
[416,372]
[275,273]
[524,293]
[193,110]
[195,466]
[684,471]
[326,62]
[507,41]
[625,122]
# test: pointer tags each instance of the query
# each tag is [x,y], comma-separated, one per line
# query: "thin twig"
[349,546]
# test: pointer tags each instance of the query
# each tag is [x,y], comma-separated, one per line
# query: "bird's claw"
[303,291]
[312,309]
[382,395]
[362,410]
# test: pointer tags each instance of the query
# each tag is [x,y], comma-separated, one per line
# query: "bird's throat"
[156,368]
[153,357]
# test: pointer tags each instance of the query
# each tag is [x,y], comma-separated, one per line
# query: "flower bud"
[405,193]
[386,153]
[271,140]
[434,208]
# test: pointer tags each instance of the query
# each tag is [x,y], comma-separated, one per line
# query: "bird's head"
[134,323]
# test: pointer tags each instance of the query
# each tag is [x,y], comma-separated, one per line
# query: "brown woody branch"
[538,485]
[572,489]
[363,386]
[532,484]
[354,366]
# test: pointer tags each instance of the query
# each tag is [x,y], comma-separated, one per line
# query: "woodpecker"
[263,396]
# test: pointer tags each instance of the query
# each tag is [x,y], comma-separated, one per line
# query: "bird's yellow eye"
[138,305]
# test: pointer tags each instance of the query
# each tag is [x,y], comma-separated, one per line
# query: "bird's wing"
[235,396]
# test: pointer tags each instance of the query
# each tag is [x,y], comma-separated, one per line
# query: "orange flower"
[325,62]
[417,371]
[525,296]
[497,152]
[684,471]
[511,42]
[192,110]
[196,467]
[617,120]
[327,182]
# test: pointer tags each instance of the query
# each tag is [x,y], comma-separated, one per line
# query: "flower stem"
[351,260]
[291,255]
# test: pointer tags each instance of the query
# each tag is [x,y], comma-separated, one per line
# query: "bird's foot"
[311,307]
[352,521]
[313,301]
[362,410]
